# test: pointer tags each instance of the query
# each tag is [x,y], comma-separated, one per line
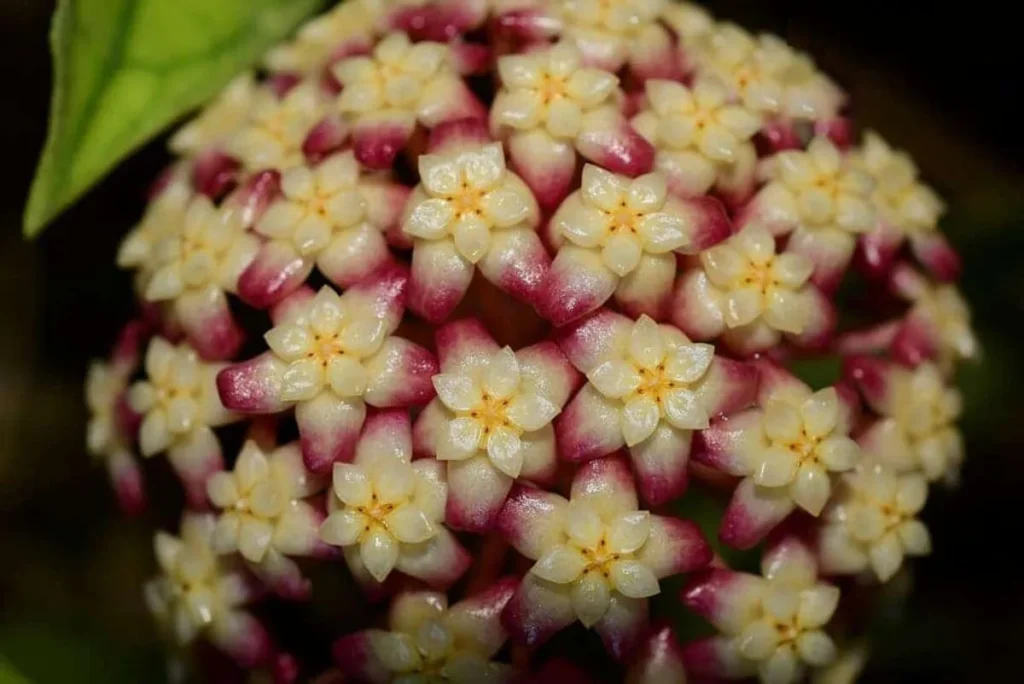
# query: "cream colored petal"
[820,412]
[410,524]
[629,531]
[505,451]
[743,306]
[347,376]
[379,553]
[838,454]
[561,564]
[501,379]
[782,421]
[776,467]
[302,381]
[812,488]
[646,345]
[621,253]
[531,411]
[352,485]
[603,189]
[430,219]
[583,524]
[461,438]
[472,238]
[457,392]
[591,598]
[343,528]
[689,362]
[640,418]
[615,379]
[633,579]
[685,410]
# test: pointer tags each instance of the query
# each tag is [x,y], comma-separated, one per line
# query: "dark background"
[943,83]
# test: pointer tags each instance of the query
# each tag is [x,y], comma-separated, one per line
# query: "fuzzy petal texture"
[277,271]
[696,306]
[440,278]
[547,165]
[752,513]
[589,427]
[516,262]
[439,562]
[537,611]
[727,599]
[207,322]
[195,458]
[591,341]
[353,255]
[622,627]
[253,386]
[674,546]
[328,430]
[577,284]
[606,483]
[661,464]
[532,520]
[476,493]
[607,139]
[400,374]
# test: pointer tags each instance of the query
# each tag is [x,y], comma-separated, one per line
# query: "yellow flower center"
[599,559]
[805,447]
[376,514]
[623,219]
[491,414]
[654,384]
[466,201]
[325,347]
[761,277]
[552,88]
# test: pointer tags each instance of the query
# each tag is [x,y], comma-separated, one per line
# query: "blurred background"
[943,83]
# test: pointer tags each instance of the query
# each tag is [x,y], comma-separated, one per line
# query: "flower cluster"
[526,273]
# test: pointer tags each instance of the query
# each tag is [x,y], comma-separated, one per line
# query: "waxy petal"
[476,493]
[532,520]
[648,289]
[353,255]
[195,458]
[623,625]
[439,562]
[545,371]
[607,484]
[476,620]
[658,660]
[516,262]
[328,430]
[537,611]
[674,546]
[607,139]
[935,252]
[242,637]
[753,512]
[277,271]
[697,307]
[440,278]
[595,339]
[545,164]
[400,374]
[577,284]
[207,322]
[729,600]
[661,464]
[589,427]
[717,656]
[464,347]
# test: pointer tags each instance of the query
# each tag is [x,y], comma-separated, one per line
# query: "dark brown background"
[944,83]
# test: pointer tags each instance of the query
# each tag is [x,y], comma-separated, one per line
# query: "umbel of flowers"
[444,319]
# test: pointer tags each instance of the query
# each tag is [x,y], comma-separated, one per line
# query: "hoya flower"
[702,139]
[164,217]
[111,430]
[620,237]
[616,33]
[938,325]
[429,641]
[197,594]
[469,211]
[690,22]
[319,40]
[178,406]
[550,107]
[276,127]
[873,526]
[752,297]
[401,84]
[771,626]
[325,217]
[598,557]
[266,515]
[491,420]
[441,20]
[821,201]
[787,451]
[329,357]
[218,120]
[916,429]
[387,512]
[196,267]
[906,210]
[770,78]
[648,389]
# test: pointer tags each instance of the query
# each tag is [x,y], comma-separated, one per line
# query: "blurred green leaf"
[8,675]
[44,654]
[125,69]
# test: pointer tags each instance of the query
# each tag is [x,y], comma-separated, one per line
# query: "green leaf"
[125,69]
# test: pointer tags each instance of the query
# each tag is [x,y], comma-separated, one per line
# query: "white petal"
[689,362]
[820,412]
[640,418]
[347,376]
[782,422]
[410,524]
[615,379]
[460,439]
[502,376]
[505,451]
[342,528]
[531,411]
[817,605]
[561,565]
[457,392]
[351,485]
[838,454]
[646,346]
[583,525]
[915,537]
[394,482]
[634,579]
[629,531]
[780,668]
[379,553]
[590,598]
[430,219]
[253,538]
[816,648]
[812,488]
[758,640]
[472,238]
[777,467]
[289,341]
[684,410]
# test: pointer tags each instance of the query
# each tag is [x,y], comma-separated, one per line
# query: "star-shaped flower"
[323,38]
[491,421]
[770,626]
[620,237]
[873,525]
[277,125]
[325,217]
[266,515]
[329,357]
[598,558]
[787,451]
[387,512]
[906,208]
[198,594]
[401,84]
[469,211]
[649,388]
[178,405]
[916,429]
[702,139]
[218,120]
[752,297]
[430,641]
[111,430]
[550,107]
[821,200]
[196,267]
